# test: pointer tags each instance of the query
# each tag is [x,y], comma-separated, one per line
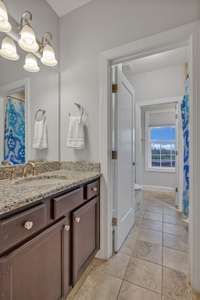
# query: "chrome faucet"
[27,165]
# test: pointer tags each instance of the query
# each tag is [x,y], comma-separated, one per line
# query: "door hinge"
[114,154]
[176,152]
[176,190]
[114,221]
[176,116]
[114,88]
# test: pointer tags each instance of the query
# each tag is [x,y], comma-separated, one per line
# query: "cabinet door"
[85,236]
[34,271]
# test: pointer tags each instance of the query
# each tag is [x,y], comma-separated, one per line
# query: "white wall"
[98,26]
[161,83]
[44,86]
[150,86]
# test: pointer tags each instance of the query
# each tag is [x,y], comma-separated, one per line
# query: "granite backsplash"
[48,166]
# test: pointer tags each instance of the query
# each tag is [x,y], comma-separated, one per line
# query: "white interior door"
[124,165]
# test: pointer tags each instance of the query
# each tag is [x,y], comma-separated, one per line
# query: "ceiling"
[157,61]
[62,7]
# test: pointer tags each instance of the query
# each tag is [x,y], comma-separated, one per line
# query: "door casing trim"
[184,35]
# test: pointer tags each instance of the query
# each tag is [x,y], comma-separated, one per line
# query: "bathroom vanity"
[46,244]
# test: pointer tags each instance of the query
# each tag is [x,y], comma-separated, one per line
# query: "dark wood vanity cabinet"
[48,263]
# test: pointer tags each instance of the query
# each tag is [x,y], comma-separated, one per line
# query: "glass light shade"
[5,26]
[27,39]
[8,49]
[31,64]
[48,56]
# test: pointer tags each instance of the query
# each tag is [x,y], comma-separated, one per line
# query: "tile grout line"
[142,259]
[142,287]
[184,252]
[122,279]
[149,261]
[125,280]
[120,289]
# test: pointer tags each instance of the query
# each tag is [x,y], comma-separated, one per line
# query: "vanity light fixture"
[31,64]
[8,49]
[27,39]
[48,54]
[5,26]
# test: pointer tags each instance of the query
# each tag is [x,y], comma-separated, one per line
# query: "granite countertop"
[25,191]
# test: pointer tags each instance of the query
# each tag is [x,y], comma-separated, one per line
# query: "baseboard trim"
[157,188]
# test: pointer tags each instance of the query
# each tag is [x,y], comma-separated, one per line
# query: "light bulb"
[8,49]
[31,64]
[27,39]
[5,26]
[48,56]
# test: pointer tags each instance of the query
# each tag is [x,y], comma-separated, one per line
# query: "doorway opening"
[148,136]
[149,221]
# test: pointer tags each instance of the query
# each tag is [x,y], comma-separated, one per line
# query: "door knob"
[67,228]
[133,164]
[94,189]
[77,219]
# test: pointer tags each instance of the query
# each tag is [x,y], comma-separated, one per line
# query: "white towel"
[40,138]
[76,135]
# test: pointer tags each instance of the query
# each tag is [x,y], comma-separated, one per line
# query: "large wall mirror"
[25,100]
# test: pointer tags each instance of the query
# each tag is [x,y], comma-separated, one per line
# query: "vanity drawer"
[92,190]
[67,202]
[16,229]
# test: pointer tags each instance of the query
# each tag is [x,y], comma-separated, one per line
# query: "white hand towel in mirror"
[40,138]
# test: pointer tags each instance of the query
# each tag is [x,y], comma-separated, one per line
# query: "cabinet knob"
[67,228]
[28,225]
[94,189]
[77,219]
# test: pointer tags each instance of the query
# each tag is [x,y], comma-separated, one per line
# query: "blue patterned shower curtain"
[14,134]
[186,167]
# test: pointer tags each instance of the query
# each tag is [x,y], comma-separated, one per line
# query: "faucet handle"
[24,171]
[33,165]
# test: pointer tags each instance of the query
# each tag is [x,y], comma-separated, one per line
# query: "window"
[162,148]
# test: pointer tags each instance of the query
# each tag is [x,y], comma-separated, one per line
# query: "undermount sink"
[40,180]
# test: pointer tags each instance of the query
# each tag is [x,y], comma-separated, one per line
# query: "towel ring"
[81,109]
[40,111]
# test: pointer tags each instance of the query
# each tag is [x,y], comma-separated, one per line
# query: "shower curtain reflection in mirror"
[14,131]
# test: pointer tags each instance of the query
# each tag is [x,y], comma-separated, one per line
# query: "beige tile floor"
[151,265]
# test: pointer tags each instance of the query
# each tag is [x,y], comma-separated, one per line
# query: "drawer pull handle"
[77,219]
[28,225]
[67,228]
[94,189]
